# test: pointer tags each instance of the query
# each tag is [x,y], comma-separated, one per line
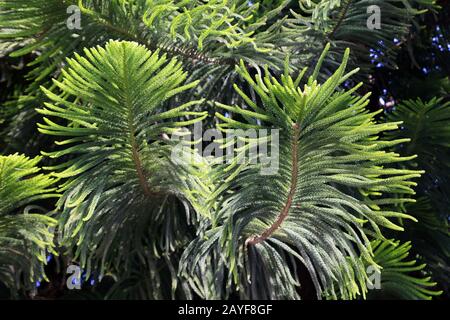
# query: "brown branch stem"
[290,198]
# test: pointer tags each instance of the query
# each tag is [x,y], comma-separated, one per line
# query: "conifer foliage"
[124,196]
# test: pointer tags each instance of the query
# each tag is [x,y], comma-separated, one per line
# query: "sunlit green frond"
[25,235]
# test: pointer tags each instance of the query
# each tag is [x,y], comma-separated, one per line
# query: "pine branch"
[292,189]
[341,15]
[25,236]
